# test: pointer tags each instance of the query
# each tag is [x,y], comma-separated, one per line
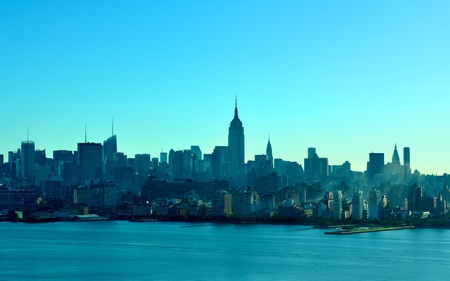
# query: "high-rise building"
[312,152]
[395,157]
[142,163]
[28,161]
[375,165]
[221,163]
[89,161]
[316,168]
[40,157]
[358,205]
[1,164]
[269,154]
[109,149]
[375,205]
[163,157]
[237,146]
[337,205]
[176,164]
[406,156]
[407,163]
[196,158]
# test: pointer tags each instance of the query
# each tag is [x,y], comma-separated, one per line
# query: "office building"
[375,165]
[269,155]
[28,161]
[142,163]
[109,150]
[89,161]
[236,146]
[358,205]
[316,168]
[337,205]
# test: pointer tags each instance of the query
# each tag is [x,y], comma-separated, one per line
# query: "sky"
[345,77]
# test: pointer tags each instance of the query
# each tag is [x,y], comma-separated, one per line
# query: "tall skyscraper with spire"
[236,146]
[109,149]
[269,154]
[395,157]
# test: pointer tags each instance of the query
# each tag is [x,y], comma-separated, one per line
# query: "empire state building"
[236,147]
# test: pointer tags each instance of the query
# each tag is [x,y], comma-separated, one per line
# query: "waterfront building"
[245,204]
[222,204]
[18,200]
[102,197]
[337,205]
[52,189]
[358,205]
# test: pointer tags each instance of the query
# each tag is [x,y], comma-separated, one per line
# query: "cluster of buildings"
[98,179]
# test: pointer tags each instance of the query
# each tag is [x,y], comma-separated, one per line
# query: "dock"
[340,231]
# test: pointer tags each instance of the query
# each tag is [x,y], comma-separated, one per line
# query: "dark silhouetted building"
[89,161]
[28,161]
[375,165]
[142,163]
[269,154]
[109,150]
[316,168]
[221,163]
[237,146]
[395,157]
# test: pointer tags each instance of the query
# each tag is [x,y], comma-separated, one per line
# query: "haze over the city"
[348,78]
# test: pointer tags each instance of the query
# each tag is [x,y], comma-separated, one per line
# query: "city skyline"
[346,78]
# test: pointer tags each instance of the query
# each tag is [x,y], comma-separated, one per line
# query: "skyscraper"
[395,157]
[358,205]
[89,161]
[163,157]
[337,205]
[407,163]
[406,156]
[269,154]
[28,160]
[375,165]
[109,149]
[142,163]
[236,146]
[316,168]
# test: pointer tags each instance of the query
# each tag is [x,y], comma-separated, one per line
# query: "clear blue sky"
[346,77]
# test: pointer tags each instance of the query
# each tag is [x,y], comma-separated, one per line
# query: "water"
[118,250]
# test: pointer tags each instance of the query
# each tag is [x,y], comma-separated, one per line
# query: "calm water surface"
[118,250]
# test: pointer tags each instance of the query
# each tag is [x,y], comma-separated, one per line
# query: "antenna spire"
[85,133]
